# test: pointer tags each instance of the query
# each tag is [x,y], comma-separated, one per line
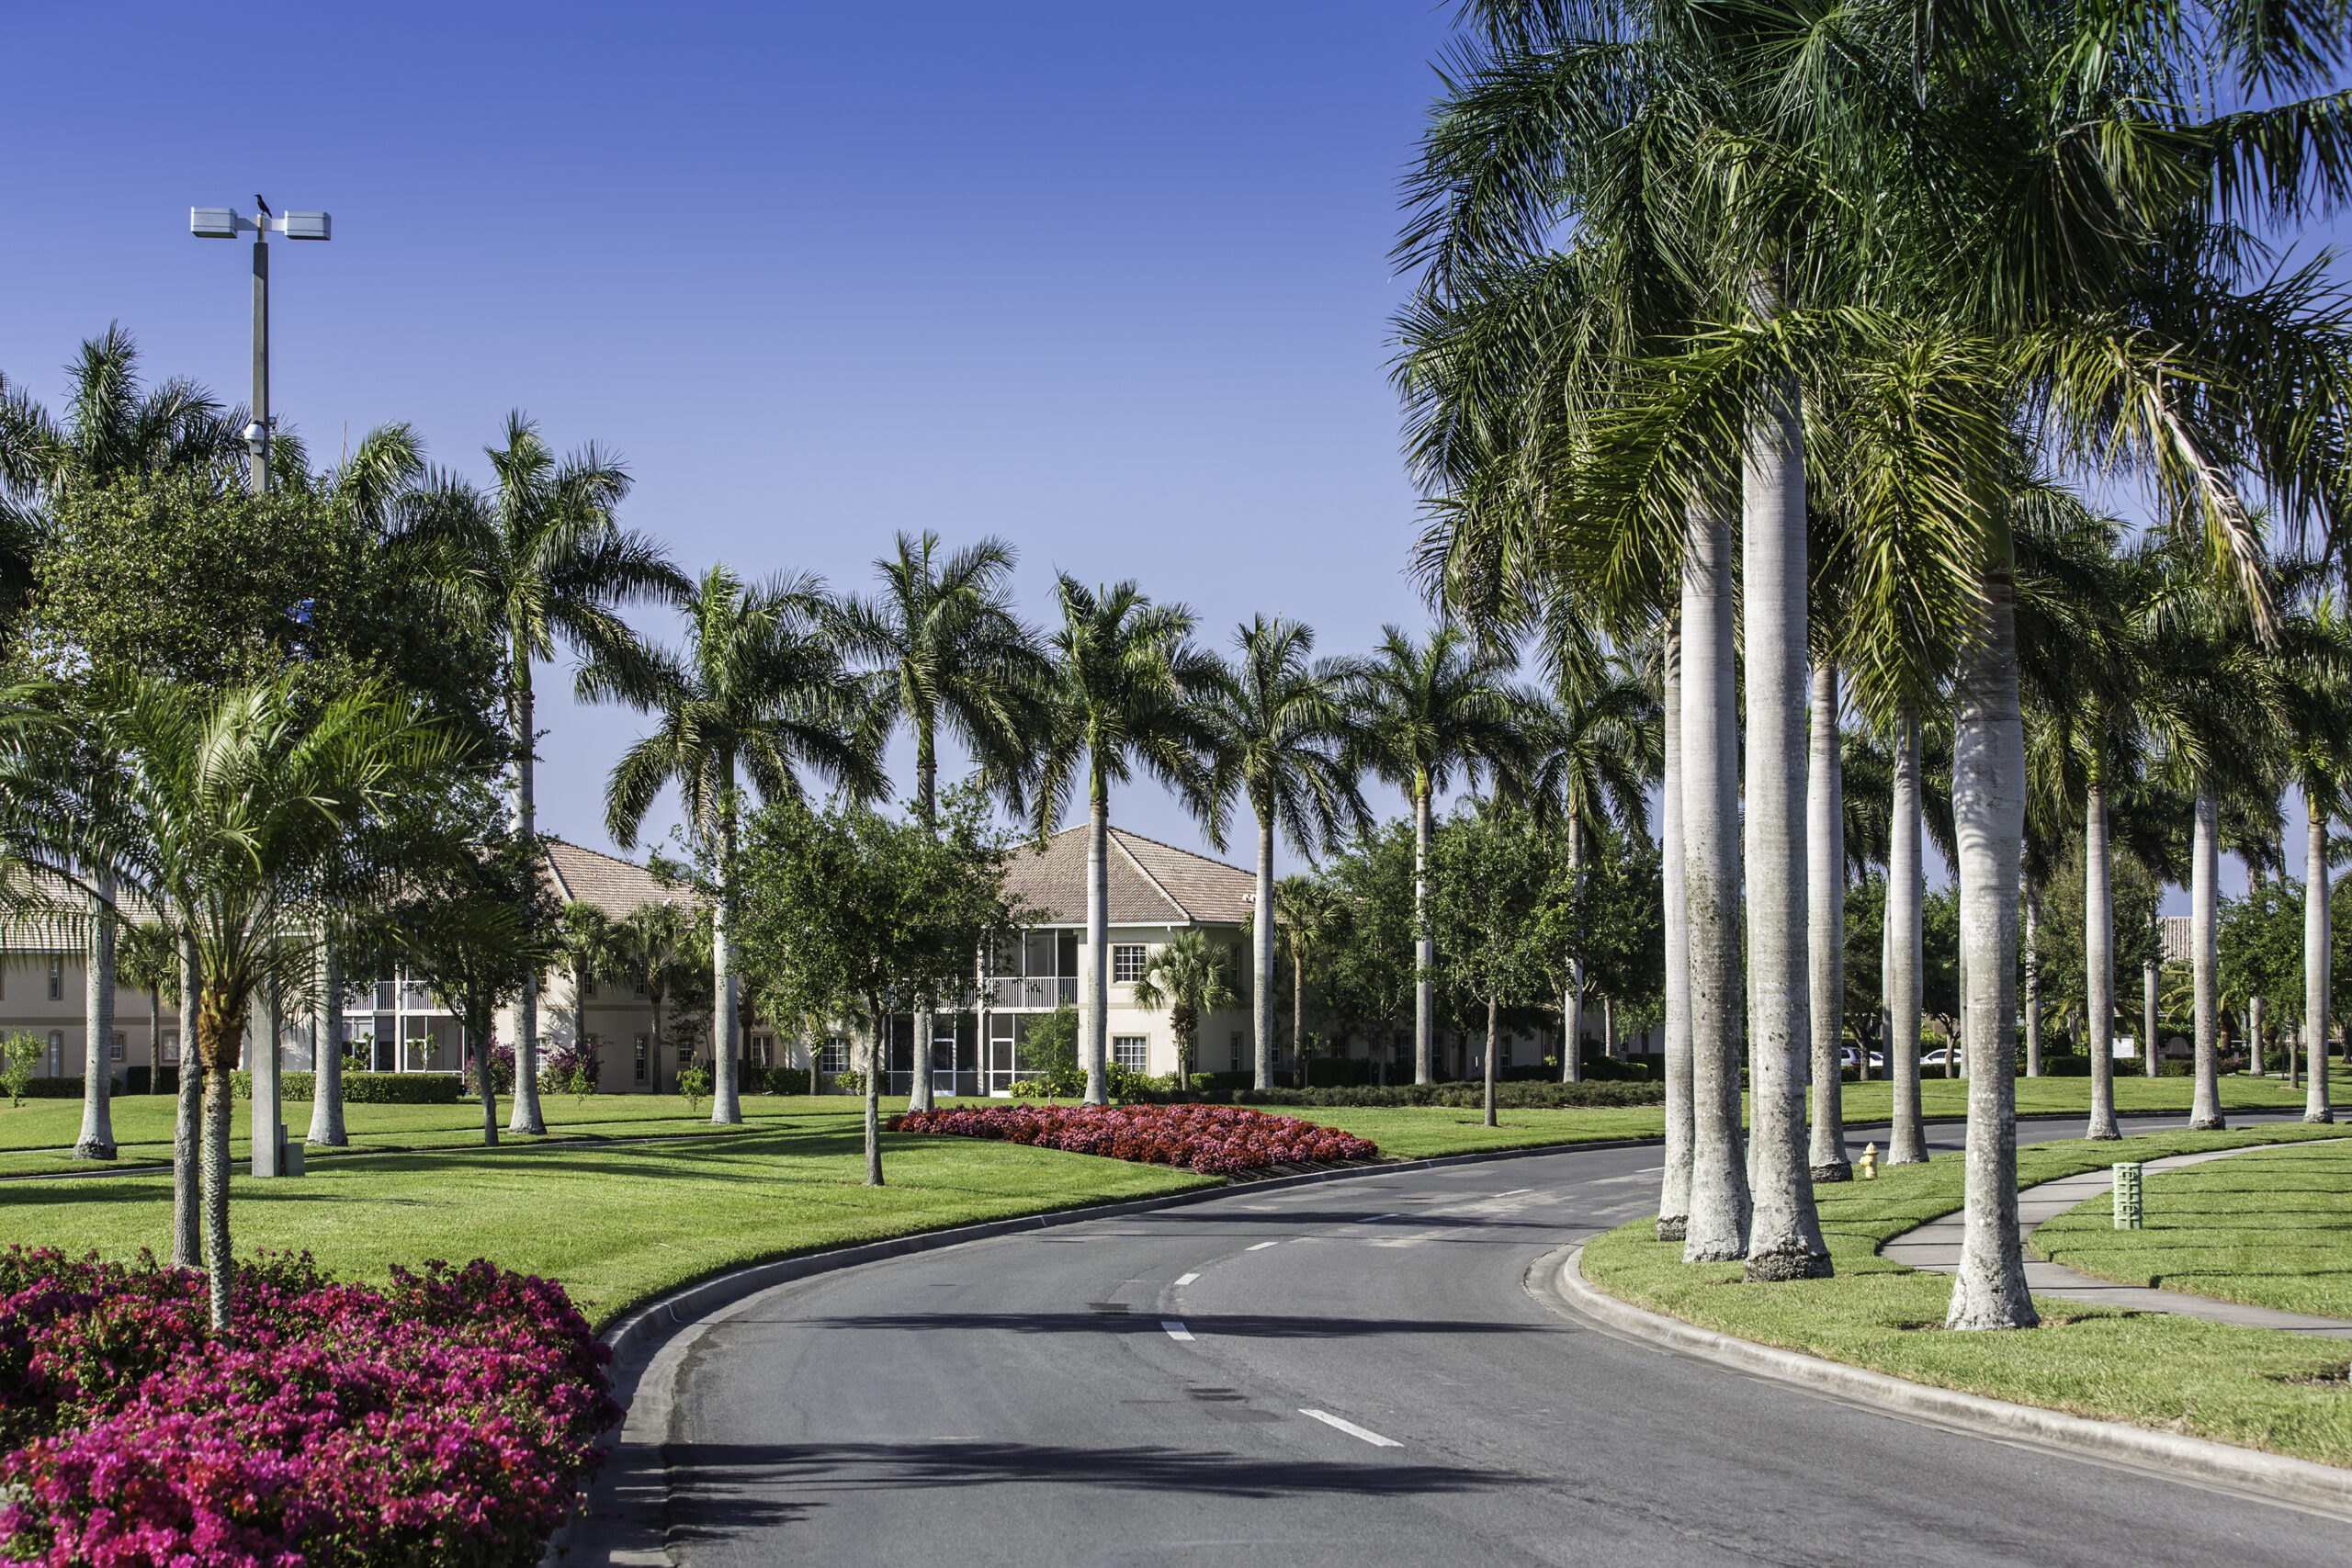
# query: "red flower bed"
[449,1418]
[1217,1139]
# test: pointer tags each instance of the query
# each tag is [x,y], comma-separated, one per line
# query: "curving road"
[1341,1376]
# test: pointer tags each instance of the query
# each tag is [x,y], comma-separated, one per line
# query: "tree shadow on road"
[1143,1320]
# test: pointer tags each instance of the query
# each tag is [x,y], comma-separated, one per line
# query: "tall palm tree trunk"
[1674,1186]
[2032,979]
[1572,997]
[726,1021]
[1825,912]
[154,1040]
[2098,957]
[188,1171]
[1298,1008]
[218,1034]
[1098,944]
[878,1059]
[1784,1240]
[1988,810]
[2204,895]
[526,1117]
[1424,951]
[2151,1025]
[1261,960]
[326,1055]
[2254,1033]
[97,1141]
[1906,1141]
[2317,936]
[1491,1007]
[1719,1209]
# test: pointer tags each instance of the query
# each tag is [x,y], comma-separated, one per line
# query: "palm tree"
[1190,978]
[536,562]
[1425,713]
[147,958]
[1282,732]
[759,690]
[240,810]
[1127,691]
[949,647]
[1307,916]
[2313,683]
[648,945]
[1593,746]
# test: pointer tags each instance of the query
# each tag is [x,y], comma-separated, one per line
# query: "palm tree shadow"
[721,1490]
[1239,1326]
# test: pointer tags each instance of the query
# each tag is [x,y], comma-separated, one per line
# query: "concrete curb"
[2271,1478]
[624,1524]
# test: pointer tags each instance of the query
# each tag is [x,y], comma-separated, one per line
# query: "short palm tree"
[1307,917]
[1282,734]
[1192,978]
[759,691]
[1125,692]
[147,957]
[536,561]
[1425,714]
[242,810]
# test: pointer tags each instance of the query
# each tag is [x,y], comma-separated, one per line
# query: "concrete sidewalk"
[1936,1246]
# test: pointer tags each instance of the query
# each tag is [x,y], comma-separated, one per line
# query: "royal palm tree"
[1306,918]
[538,560]
[1192,978]
[759,691]
[1282,735]
[1126,692]
[949,649]
[1426,712]
[2313,684]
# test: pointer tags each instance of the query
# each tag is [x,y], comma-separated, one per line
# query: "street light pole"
[227,223]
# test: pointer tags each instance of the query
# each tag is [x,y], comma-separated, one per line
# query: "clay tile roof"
[1152,883]
[613,886]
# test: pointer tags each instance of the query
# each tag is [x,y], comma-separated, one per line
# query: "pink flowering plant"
[1215,1139]
[449,1418]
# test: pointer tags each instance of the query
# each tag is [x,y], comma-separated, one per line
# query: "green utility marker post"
[2126,1196]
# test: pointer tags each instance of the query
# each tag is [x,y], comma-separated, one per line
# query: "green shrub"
[1517,1096]
[694,1083]
[847,1083]
[18,1057]
[775,1080]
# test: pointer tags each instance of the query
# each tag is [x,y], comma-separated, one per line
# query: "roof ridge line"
[1156,885]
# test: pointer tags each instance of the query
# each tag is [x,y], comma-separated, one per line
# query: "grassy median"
[2259,1388]
[2271,1229]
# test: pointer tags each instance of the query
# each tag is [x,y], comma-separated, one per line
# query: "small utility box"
[2126,1196]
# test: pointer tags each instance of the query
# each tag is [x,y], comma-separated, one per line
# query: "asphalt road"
[1341,1376]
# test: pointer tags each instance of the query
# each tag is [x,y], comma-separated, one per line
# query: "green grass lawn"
[2272,1229]
[1414,1131]
[1939,1096]
[617,1223]
[2213,1380]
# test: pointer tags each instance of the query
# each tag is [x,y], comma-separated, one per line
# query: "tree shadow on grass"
[722,1490]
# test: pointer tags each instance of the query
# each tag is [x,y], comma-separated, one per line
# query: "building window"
[588,988]
[116,1055]
[1126,963]
[171,1048]
[834,1057]
[1233,1063]
[643,1054]
[1130,1051]
[57,979]
[762,1048]
[57,1052]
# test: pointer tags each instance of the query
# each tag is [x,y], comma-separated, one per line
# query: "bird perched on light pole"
[263,205]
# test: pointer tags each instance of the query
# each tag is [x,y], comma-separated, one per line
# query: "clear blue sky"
[1110,281]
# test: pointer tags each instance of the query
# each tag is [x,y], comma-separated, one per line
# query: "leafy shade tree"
[239,812]
[1127,691]
[536,561]
[1368,975]
[1426,714]
[759,690]
[852,915]
[1192,978]
[1280,733]
[1491,875]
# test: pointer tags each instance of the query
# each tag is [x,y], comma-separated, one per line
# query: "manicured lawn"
[1413,1131]
[1949,1097]
[617,1223]
[2158,1370]
[2273,1229]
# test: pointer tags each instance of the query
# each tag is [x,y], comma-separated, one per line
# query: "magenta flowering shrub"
[447,1418]
[1216,1139]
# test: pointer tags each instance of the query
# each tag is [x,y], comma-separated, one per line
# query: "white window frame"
[56,979]
[832,1057]
[119,1049]
[644,1056]
[1128,961]
[1132,1052]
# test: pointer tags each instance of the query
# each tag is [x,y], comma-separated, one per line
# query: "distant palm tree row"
[1774,338]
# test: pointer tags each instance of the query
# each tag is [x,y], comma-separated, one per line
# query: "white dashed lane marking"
[1176,1330]
[1262,1245]
[1353,1431]
[1186,1278]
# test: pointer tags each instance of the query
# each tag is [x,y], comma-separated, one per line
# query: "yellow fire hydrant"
[1867,1169]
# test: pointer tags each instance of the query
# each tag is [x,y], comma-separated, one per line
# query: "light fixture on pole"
[227,223]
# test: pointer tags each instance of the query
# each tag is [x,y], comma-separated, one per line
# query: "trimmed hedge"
[365,1088]
[1516,1096]
[775,1080]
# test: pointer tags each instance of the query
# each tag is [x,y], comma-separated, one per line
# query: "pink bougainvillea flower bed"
[1213,1139]
[447,1418]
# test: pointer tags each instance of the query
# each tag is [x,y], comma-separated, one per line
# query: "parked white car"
[1851,1056]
